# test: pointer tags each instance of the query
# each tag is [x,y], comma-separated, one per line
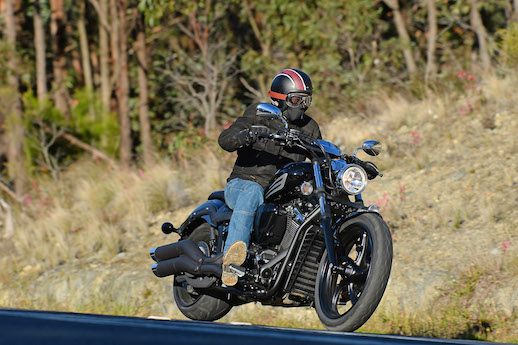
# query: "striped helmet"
[288,81]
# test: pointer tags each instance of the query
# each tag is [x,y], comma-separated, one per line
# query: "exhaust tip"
[154,269]
[152,253]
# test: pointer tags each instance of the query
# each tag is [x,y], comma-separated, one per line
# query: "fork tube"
[325,213]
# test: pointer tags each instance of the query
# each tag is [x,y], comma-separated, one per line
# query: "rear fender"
[202,214]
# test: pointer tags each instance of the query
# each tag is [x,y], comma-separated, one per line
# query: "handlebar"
[273,136]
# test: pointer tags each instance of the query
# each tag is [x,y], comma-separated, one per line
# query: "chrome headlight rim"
[343,179]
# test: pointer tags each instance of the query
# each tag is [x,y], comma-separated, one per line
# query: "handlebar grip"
[264,135]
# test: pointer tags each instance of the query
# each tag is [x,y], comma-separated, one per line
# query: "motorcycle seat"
[218,195]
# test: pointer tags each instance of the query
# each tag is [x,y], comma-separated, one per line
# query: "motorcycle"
[311,244]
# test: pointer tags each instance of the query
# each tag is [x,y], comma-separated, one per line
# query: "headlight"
[352,178]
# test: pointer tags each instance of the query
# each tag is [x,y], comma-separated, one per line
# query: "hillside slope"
[449,195]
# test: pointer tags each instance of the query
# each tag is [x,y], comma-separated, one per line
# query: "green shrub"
[509,45]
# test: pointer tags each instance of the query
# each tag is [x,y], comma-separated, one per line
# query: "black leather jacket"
[259,162]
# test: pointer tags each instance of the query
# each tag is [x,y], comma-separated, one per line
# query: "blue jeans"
[244,197]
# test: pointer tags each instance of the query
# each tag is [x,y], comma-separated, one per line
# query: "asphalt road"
[56,328]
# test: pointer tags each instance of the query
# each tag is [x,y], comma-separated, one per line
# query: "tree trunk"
[39,47]
[431,66]
[58,34]
[515,12]
[403,35]
[123,88]
[8,219]
[106,89]
[509,12]
[145,128]
[85,51]
[478,26]
[14,125]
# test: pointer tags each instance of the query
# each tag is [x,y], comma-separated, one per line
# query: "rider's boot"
[235,255]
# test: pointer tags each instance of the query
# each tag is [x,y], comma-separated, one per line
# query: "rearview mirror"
[372,147]
[267,110]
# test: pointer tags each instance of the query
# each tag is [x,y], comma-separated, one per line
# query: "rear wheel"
[346,298]
[198,306]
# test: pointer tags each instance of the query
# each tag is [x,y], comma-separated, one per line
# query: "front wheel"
[198,306]
[346,297]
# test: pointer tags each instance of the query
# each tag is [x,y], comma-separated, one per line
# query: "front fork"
[325,214]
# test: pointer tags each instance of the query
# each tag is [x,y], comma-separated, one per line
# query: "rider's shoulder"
[250,111]
[307,120]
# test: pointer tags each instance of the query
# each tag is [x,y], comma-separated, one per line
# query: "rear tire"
[344,301]
[197,306]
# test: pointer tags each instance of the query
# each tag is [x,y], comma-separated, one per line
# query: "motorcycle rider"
[258,160]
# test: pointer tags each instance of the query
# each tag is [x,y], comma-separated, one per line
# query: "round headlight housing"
[352,178]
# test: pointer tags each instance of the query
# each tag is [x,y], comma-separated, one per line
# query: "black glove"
[245,138]
[258,129]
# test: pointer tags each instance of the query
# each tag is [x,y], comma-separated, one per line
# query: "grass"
[448,195]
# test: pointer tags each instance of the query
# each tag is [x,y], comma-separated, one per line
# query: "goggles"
[293,100]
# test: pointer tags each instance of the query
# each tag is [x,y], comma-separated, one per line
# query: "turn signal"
[306,188]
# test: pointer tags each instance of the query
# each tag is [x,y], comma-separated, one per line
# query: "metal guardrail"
[56,328]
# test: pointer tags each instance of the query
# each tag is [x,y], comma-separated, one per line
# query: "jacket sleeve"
[316,131]
[227,139]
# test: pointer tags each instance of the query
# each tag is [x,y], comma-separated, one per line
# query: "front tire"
[198,306]
[346,299]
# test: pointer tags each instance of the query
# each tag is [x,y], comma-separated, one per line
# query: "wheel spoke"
[361,248]
[353,296]
[337,297]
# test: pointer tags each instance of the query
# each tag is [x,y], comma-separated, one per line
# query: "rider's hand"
[256,130]
[245,137]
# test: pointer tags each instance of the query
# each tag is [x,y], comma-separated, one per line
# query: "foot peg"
[237,270]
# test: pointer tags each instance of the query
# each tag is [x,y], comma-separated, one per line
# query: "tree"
[40,49]
[201,78]
[59,65]
[431,66]
[83,43]
[145,128]
[15,129]
[478,27]
[119,8]
[403,35]
[102,8]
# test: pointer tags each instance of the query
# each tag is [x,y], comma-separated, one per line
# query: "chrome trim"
[266,109]
[237,270]
[277,185]
[372,147]
[152,253]
[298,215]
[341,172]
[282,272]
